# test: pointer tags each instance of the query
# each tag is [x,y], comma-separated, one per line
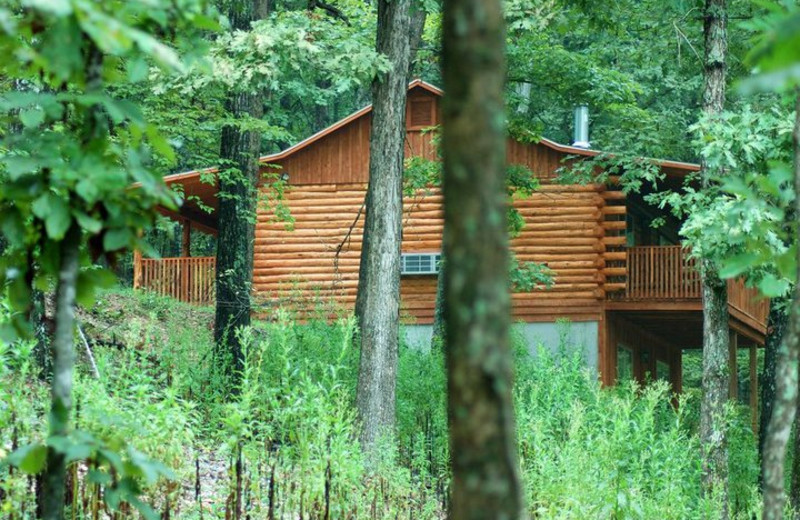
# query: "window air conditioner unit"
[419,263]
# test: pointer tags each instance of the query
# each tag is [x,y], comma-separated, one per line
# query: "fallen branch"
[89,352]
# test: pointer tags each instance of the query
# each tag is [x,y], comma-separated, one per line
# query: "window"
[420,112]
[419,263]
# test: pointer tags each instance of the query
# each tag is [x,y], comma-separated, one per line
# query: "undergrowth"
[284,444]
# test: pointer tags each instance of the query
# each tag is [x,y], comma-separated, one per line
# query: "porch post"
[676,370]
[754,387]
[187,238]
[733,387]
[137,269]
[185,267]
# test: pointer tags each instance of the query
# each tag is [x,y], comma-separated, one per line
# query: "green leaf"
[90,224]
[773,287]
[29,459]
[97,476]
[55,213]
[787,263]
[159,143]
[58,221]
[87,190]
[32,118]
[112,458]
[20,165]
[738,264]
[89,280]
[12,226]
[56,7]
[19,293]
[116,239]
[144,509]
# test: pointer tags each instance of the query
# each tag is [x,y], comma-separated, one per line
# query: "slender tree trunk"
[378,300]
[786,380]
[63,359]
[776,327]
[716,374]
[417,27]
[239,170]
[41,351]
[438,336]
[486,482]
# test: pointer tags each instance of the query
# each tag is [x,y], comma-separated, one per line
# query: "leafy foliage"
[586,451]
[71,149]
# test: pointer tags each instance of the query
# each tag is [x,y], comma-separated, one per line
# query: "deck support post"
[733,384]
[676,370]
[754,387]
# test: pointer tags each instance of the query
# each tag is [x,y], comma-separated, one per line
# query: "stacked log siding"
[317,261]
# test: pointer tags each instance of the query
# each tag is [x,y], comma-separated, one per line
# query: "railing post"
[733,366]
[754,388]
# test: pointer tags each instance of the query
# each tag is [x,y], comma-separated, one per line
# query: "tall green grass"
[286,439]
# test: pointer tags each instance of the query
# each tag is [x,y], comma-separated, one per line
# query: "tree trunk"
[716,373]
[776,326]
[418,17]
[41,333]
[786,380]
[378,300]
[54,477]
[483,450]
[438,336]
[239,170]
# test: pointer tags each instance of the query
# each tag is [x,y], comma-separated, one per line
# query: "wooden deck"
[188,279]
[666,278]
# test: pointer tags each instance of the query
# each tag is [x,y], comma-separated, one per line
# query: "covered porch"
[187,278]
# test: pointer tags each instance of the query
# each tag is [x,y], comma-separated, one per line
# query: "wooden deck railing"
[748,301]
[188,279]
[667,273]
[661,273]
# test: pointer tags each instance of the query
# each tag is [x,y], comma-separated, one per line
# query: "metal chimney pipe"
[581,127]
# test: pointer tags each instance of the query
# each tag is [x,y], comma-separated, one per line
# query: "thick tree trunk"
[483,450]
[794,486]
[716,374]
[776,326]
[786,380]
[378,300]
[54,477]
[239,170]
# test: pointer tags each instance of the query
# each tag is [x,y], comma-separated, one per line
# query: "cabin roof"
[675,166]
[195,183]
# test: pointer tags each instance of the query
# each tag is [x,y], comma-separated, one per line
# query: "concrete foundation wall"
[556,337]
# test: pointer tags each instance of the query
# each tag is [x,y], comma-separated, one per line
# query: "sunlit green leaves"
[744,225]
[120,469]
[290,53]
[29,459]
[775,53]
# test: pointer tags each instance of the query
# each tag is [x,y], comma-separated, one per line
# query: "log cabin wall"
[318,260]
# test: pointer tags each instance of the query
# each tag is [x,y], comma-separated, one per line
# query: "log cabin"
[630,292]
